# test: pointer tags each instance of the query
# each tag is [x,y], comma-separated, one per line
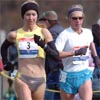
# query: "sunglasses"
[42,19]
[76,18]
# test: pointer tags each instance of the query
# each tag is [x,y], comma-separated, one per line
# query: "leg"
[66,96]
[77,97]
[22,90]
[39,93]
[85,90]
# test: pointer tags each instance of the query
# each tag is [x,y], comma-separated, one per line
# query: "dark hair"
[29,6]
[96,33]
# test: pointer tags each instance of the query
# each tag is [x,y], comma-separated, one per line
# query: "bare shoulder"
[47,35]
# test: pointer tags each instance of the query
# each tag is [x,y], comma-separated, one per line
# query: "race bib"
[63,76]
[79,59]
[27,48]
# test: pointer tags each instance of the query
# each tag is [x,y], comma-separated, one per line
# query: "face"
[30,17]
[76,20]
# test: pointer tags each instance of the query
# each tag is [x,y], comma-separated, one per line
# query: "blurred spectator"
[96,73]
[50,19]
[10,93]
[98,22]
[13,57]
[96,35]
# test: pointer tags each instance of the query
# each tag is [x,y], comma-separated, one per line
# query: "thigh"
[66,96]
[85,90]
[22,90]
[39,93]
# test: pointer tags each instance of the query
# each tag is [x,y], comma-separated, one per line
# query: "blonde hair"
[41,25]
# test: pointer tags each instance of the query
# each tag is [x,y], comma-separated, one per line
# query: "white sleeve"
[61,40]
[90,36]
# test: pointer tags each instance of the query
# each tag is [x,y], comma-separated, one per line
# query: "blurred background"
[10,11]
[10,15]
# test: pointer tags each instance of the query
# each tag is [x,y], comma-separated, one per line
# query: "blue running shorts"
[70,82]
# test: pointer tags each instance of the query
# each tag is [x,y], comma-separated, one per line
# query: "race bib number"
[28,48]
[63,76]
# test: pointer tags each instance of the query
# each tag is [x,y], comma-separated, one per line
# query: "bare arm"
[48,45]
[63,54]
[47,35]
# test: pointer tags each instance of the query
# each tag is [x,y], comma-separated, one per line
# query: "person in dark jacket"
[96,35]
[96,73]
[50,18]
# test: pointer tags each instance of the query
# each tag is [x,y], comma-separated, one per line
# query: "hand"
[97,61]
[8,66]
[81,51]
[39,41]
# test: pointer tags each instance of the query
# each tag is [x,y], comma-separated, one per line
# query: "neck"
[79,31]
[29,28]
